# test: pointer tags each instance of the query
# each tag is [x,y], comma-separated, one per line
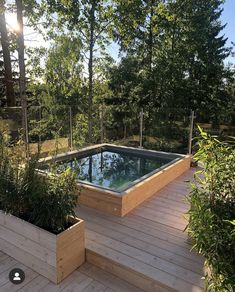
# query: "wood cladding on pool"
[116,179]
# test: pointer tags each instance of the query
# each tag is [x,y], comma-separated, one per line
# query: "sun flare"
[11,21]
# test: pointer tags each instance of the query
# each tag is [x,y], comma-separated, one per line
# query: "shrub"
[10,178]
[212,212]
[45,201]
[56,201]
[163,144]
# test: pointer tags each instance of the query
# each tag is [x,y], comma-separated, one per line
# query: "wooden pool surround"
[120,204]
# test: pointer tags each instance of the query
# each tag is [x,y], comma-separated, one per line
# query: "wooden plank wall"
[101,200]
[29,245]
[70,253]
[153,184]
[120,205]
[52,256]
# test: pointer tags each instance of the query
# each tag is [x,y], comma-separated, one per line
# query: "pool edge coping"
[136,183]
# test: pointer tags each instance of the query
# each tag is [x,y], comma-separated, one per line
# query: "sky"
[228,17]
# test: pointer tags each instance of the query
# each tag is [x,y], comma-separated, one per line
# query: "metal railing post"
[70,129]
[40,127]
[191,132]
[101,124]
[26,130]
[141,127]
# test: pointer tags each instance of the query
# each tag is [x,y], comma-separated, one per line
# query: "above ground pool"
[110,174]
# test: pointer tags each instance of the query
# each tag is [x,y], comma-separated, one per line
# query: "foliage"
[212,202]
[171,54]
[8,189]
[180,51]
[80,130]
[48,122]
[55,202]
[63,70]
[166,145]
[91,21]
[46,201]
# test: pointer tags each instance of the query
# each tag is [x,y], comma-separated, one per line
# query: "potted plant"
[38,226]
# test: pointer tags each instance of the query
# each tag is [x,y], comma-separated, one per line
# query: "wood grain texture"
[87,278]
[121,204]
[147,247]
[53,256]
[144,190]
[70,250]
[101,200]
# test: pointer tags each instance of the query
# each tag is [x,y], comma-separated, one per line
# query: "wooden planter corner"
[53,256]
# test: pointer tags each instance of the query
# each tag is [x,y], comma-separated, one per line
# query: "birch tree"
[91,21]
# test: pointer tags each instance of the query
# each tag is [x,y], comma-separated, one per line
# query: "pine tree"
[204,54]
[181,50]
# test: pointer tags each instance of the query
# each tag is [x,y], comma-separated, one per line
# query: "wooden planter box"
[53,256]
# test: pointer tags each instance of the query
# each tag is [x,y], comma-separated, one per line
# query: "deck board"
[147,247]
[152,249]
[85,279]
[149,242]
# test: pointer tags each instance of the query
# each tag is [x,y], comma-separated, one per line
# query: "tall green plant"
[212,209]
[53,206]
[44,200]
[11,178]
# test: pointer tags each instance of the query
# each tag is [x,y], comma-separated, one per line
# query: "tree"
[63,71]
[205,53]
[10,94]
[139,31]
[90,20]
[181,51]
[123,101]
[22,79]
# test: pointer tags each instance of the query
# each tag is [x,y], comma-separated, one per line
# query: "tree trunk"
[10,94]
[22,78]
[90,70]
[172,57]
[150,40]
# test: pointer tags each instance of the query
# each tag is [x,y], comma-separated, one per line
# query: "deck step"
[134,271]
[122,271]
[148,247]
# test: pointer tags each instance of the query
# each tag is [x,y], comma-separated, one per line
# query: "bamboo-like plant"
[46,201]
[212,201]
[56,201]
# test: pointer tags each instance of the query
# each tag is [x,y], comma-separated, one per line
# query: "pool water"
[112,169]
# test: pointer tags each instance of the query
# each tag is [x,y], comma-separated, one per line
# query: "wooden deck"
[87,278]
[148,247]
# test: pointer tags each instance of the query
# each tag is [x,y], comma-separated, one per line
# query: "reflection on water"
[113,170]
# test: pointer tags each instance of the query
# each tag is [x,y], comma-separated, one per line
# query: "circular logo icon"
[16,276]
